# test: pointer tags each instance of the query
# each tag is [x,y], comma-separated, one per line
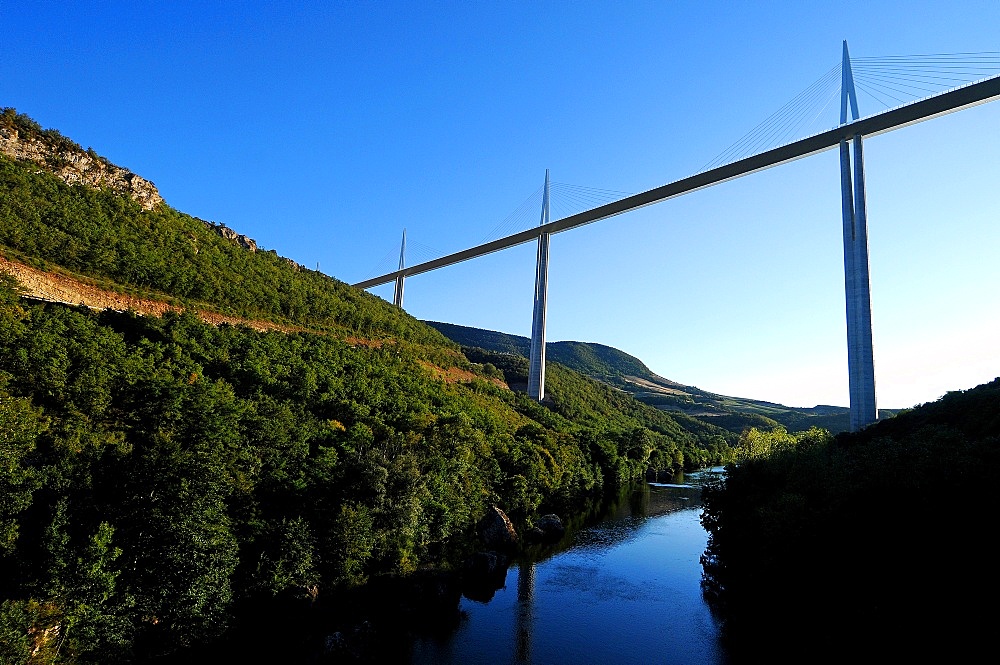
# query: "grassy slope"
[171,255]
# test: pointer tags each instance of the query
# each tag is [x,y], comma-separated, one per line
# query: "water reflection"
[623,585]
[673,493]
[525,619]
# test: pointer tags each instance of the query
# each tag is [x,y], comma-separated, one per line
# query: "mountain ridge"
[630,374]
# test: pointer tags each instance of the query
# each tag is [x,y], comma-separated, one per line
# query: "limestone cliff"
[22,139]
[227,233]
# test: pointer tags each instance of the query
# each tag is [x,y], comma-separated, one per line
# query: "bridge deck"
[901,116]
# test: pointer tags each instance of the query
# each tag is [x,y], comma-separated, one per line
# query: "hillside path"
[53,287]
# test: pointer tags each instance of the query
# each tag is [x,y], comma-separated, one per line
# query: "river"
[622,586]
[624,590]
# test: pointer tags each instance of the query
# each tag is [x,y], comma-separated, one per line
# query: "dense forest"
[161,475]
[878,542]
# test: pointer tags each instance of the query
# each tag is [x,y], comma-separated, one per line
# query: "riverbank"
[871,543]
[627,565]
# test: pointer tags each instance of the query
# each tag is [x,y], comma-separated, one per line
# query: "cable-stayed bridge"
[894,77]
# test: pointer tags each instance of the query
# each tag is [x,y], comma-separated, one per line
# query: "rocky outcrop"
[548,529]
[76,166]
[23,139]
[243,241]
[496,530]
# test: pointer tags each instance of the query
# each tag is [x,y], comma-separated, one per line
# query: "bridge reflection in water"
[622,589]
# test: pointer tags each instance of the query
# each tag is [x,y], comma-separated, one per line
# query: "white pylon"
[536,362]
[857,286]
[397,295]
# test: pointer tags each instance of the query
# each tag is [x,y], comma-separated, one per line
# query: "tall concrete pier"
[397,295]
[857,287]
[536,367]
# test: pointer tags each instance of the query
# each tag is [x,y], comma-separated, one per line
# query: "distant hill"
[626,372]
[595,360]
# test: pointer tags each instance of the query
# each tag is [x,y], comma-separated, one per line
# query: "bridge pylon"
[397,294]
[536,363]
[857,285]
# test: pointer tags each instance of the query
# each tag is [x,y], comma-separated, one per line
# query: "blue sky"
[322,129]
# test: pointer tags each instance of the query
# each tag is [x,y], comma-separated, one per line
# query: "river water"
[624,590]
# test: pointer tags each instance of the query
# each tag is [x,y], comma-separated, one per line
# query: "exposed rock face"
[22,139]
[551,527]
[53,287]
[78,167]
[496,530]
[227,233]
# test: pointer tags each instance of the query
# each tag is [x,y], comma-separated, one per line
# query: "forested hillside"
[160,474]
[878,540]
[103,234]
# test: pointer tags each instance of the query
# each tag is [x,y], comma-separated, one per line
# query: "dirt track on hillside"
[53,287]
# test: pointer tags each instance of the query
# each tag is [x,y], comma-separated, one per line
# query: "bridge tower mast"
[536,366]
[857,285]
[397,294]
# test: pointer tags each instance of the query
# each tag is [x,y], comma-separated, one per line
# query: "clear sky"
[322,129]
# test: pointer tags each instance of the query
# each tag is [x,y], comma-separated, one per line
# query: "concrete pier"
[397,294]
[536,366]
[857,285]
